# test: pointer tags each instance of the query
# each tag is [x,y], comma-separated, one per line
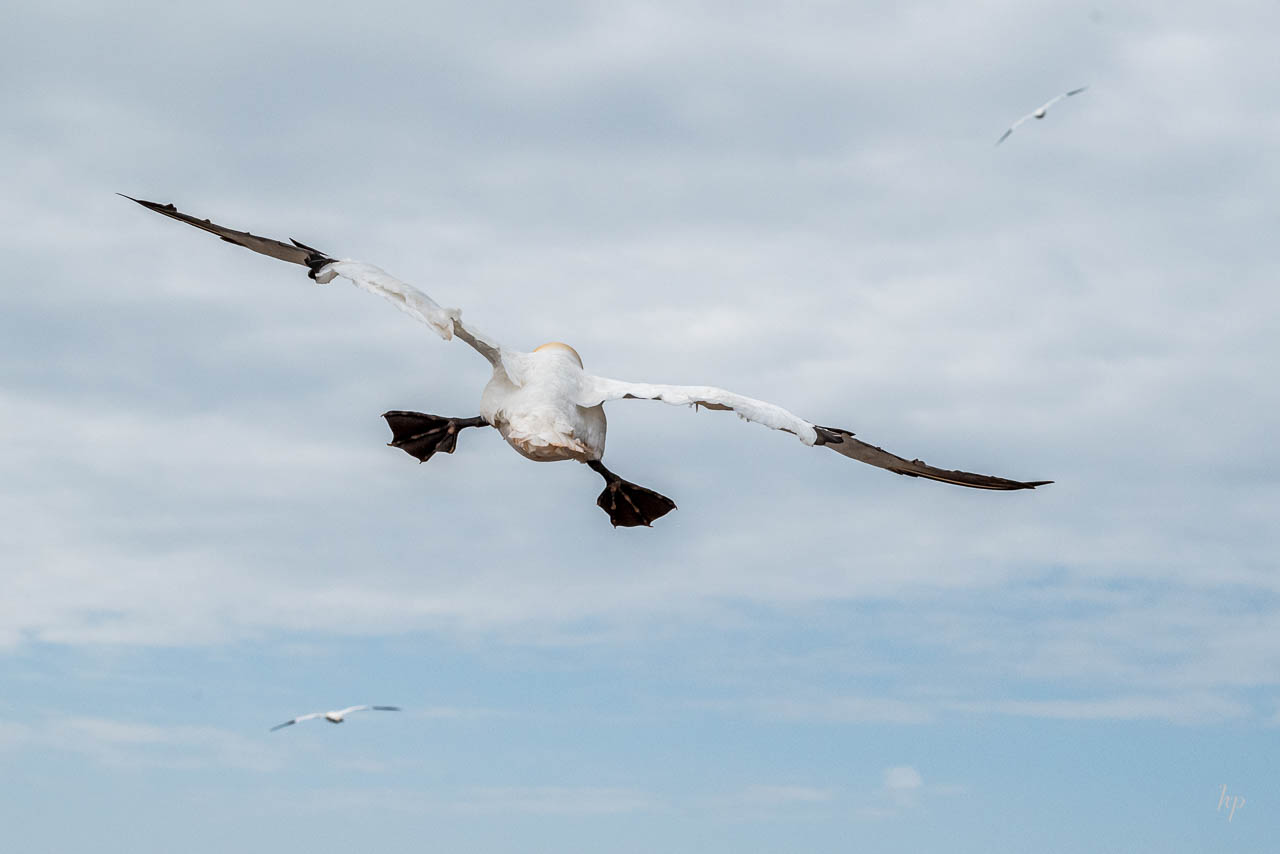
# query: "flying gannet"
[1039,112]
[335,717]
[546,406]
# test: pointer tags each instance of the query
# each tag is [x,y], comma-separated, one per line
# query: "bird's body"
[540,417]
[547,407]
[1039,112]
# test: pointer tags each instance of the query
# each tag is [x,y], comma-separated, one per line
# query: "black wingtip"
[844,443]
[315,260]
[155,206]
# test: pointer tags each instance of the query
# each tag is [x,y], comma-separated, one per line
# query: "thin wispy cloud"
[777,796]
[131,744]
[1182,709]
[489,801]
[850,710]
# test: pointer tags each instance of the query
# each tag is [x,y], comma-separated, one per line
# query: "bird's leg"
[626,503]
[421,435]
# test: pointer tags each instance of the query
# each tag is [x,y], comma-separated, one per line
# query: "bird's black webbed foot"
[421,435]
[629,504]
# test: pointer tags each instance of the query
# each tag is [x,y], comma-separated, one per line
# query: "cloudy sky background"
[204,533]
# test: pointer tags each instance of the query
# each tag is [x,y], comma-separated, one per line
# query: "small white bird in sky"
[547,407]
[1039,112]
[335,717]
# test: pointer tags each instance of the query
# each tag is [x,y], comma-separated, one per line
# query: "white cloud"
[902,778]
[903,786]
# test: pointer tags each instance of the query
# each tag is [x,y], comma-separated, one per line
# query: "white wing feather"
[447,322]
[1049,103]
[1012,128]
[596,390]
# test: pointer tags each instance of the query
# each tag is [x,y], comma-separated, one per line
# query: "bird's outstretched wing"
[596,390]
[367,708]
[1013,127]
[323,268]
[349,709]
[1057,98]
[842,442]
[295,720]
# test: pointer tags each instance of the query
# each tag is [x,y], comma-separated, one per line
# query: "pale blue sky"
[205,533]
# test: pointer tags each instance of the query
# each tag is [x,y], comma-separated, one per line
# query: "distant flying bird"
[1038,112]
[335,717]
[547,407]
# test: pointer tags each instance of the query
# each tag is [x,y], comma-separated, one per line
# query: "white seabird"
[1039,112]
[335,717]
[547,407]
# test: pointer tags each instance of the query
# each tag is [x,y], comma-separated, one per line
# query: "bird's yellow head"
[557,345]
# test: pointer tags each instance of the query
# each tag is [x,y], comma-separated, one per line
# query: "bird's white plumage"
[1039,112]
[533,401]
[335,716]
